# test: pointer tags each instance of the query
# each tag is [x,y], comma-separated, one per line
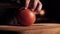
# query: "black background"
[52,9]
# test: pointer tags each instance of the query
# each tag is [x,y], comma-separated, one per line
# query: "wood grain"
[34,29]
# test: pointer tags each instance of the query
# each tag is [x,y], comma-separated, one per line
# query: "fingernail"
[32,9]
[25,8]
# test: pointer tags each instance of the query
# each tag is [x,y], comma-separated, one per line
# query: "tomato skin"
[26,17]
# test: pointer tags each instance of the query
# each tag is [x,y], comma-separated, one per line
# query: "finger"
[35,4]
[40,6]
[27,4]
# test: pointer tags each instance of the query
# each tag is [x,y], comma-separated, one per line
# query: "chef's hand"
[35,4]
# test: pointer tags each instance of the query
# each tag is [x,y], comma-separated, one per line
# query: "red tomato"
[26,17]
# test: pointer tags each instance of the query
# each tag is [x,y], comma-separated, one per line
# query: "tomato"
[26,17]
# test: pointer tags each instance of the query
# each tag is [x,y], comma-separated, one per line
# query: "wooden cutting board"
[45,28]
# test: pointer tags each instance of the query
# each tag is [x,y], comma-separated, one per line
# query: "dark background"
[52,10]
[51,7]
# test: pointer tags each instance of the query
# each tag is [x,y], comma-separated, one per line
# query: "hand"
[36,2]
